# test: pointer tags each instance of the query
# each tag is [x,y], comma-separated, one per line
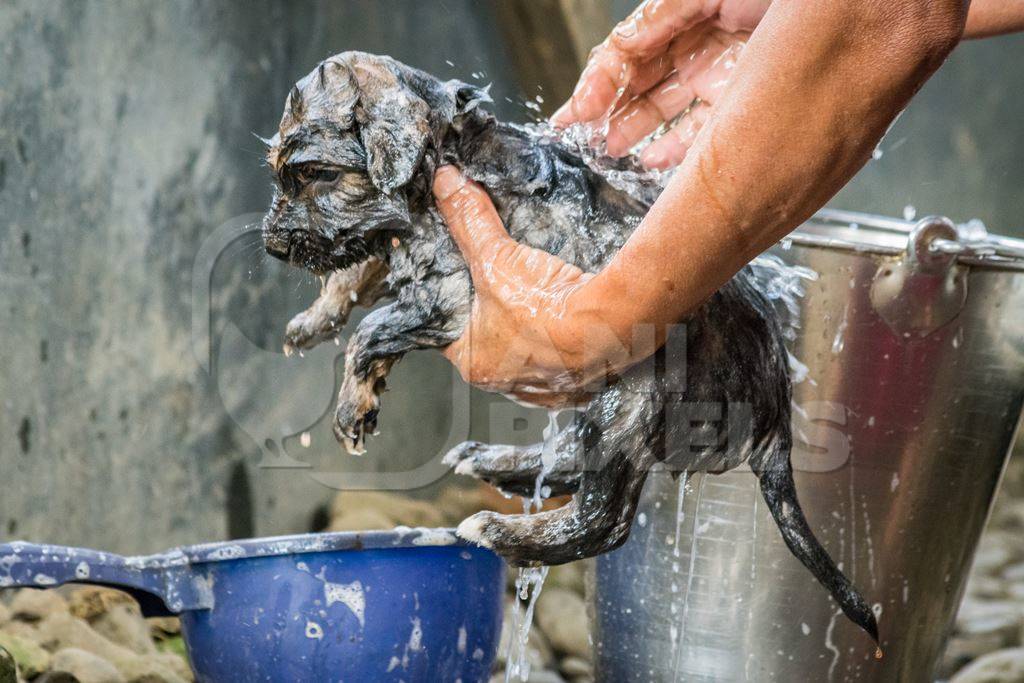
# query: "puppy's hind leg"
[618,442]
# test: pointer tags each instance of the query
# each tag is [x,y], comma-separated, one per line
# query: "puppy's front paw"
[356,416]
[464,456]
[307,329]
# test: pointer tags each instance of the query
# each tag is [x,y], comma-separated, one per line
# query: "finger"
[627,84]
[705,60]
[656,22]
[563,116]
[470,216]
[648,74]
[647,113]
[670,149]
[604,79]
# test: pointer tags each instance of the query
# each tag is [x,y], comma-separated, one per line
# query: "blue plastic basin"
[403,605]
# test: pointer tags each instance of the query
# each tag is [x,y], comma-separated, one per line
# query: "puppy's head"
[358,140]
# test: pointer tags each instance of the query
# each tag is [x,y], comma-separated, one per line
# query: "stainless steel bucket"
[913,342]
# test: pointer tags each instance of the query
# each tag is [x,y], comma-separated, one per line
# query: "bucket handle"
[925,289]
[164,585]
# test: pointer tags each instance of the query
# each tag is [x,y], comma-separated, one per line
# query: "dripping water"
[530,580]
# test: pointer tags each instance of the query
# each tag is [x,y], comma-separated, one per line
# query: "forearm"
[813,93]
[994,17]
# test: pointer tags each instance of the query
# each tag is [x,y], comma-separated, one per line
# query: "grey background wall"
[126,141]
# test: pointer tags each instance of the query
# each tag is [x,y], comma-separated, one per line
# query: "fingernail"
[447,181]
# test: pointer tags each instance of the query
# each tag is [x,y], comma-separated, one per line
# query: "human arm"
[814,90]
[988,18]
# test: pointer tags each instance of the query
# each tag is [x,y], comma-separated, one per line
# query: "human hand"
[533,332]
[667,57]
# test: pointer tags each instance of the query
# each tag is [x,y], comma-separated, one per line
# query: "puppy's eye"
[307,175]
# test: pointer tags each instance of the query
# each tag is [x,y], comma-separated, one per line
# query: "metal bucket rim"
[885,236]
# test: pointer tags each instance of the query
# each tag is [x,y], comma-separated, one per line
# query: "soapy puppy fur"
[353,162]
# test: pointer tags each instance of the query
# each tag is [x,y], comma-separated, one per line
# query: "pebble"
[576,667]
[1002,666]
[8,668]
[35,605]
[85,666]
[961,649]
[361,520]
[562,616]
[61,630]
[986,587]
[164,627]
[991,616]
[568,576]
[56,677]
[991,557]
[31,659]
[1013,573]
[149,669]
[401,509]
[1003,619]
[124,625]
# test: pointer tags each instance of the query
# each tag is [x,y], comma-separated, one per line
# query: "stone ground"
[986,646]
[88,635]
[96,635]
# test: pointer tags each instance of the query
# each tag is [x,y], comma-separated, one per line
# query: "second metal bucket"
[910,382]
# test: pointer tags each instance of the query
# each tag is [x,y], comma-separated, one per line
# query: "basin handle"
[164,585]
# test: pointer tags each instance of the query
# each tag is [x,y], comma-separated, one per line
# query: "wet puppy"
[353,162]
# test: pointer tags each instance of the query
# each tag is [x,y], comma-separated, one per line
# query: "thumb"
[470,215]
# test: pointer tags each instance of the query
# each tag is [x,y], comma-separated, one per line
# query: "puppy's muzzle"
[277,245]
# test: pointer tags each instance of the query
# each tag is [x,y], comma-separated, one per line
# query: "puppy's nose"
[276,245]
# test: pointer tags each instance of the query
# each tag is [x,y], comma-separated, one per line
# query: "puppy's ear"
[394,133]
[466,97]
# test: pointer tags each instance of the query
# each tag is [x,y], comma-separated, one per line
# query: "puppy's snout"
[276,238]
[276,244]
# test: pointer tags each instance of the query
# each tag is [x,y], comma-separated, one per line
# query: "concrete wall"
[126,142]
[126,138]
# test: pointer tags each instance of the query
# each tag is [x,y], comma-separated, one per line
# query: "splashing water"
[530,580]
[528,586]
[973,231]
[694,537]
[680,516]
[547,457]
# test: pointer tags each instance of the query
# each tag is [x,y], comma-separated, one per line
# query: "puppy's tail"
[776,476]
